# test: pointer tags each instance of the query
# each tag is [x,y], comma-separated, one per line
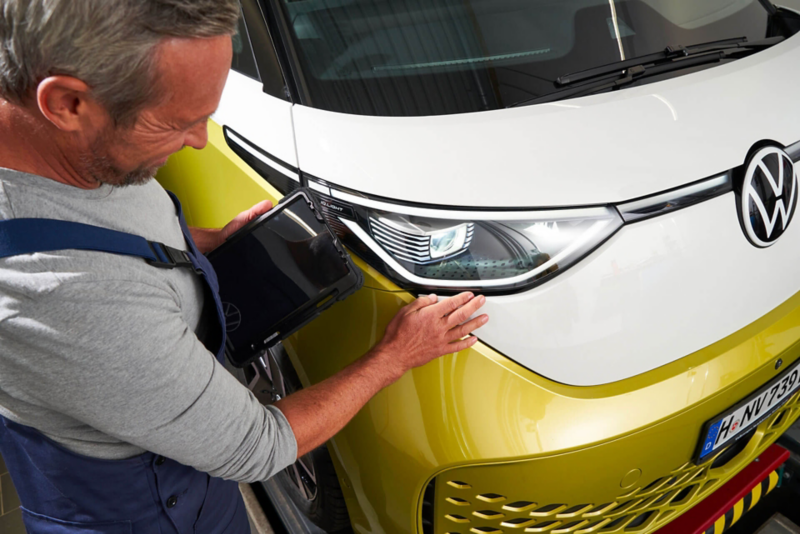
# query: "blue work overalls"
[66,493]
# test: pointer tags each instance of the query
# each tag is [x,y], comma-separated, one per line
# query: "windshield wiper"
[624,72]
[670,52]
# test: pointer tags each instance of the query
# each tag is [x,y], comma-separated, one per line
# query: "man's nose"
[197,137]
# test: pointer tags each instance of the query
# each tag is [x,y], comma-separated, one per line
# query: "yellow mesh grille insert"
[491,497]
[519,506]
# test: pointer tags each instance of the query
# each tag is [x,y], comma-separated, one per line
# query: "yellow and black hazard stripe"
[747,503]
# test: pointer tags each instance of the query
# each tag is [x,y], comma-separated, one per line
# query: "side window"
[243,60]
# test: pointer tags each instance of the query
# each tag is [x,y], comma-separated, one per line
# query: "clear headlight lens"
[451,241]
[419,241]
[451,250]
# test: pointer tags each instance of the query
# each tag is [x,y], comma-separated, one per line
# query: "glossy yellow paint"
[478,408]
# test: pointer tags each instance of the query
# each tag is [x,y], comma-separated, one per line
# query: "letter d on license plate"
[728,427]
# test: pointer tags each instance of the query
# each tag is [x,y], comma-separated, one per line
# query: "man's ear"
[67,103]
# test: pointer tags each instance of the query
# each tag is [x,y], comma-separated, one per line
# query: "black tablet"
[278,273]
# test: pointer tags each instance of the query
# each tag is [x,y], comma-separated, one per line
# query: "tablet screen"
[274,269]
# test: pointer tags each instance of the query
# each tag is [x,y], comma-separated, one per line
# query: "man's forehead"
[192,72]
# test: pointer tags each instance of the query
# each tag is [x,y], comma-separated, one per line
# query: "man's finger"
[448,306]
[467,328]
[259,209]
[458,346]
[245,217]
[421,302]
[466,311]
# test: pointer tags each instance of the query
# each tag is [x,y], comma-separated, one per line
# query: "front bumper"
[635,482]
[589,491]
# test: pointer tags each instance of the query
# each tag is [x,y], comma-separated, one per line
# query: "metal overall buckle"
[168,257]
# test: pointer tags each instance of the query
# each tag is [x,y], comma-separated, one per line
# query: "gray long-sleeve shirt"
[102,353]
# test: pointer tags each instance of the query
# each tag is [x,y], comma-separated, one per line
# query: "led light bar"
[471,215]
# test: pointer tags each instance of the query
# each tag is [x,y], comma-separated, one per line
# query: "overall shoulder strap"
[26,236]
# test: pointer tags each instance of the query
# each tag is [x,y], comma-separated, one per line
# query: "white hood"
[592,150]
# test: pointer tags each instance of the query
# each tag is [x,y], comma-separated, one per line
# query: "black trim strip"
[279,180]
[675,199]
[278,161]
[477,209]
[726,188]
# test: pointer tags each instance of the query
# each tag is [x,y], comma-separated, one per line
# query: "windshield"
[433,57]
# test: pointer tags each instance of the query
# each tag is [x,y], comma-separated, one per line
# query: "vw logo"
[768,197]
[233,317]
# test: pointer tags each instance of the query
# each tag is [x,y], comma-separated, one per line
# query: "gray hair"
[108,44]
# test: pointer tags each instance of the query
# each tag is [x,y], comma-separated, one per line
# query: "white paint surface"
[263,120]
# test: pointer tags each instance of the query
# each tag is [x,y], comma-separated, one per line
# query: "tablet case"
[244,353]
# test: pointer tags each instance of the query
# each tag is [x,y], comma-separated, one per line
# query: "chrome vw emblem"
[769,196]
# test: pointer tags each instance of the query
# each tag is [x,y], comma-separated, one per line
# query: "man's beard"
[97,165]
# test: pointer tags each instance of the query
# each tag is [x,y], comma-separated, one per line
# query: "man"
[114,410]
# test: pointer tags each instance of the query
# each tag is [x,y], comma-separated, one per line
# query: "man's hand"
[428,328]
[207,239]
[420,332]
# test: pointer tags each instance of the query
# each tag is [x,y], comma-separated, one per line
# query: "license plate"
[725,429]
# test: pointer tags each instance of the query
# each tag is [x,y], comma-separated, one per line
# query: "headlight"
[451,250]
[426,249]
